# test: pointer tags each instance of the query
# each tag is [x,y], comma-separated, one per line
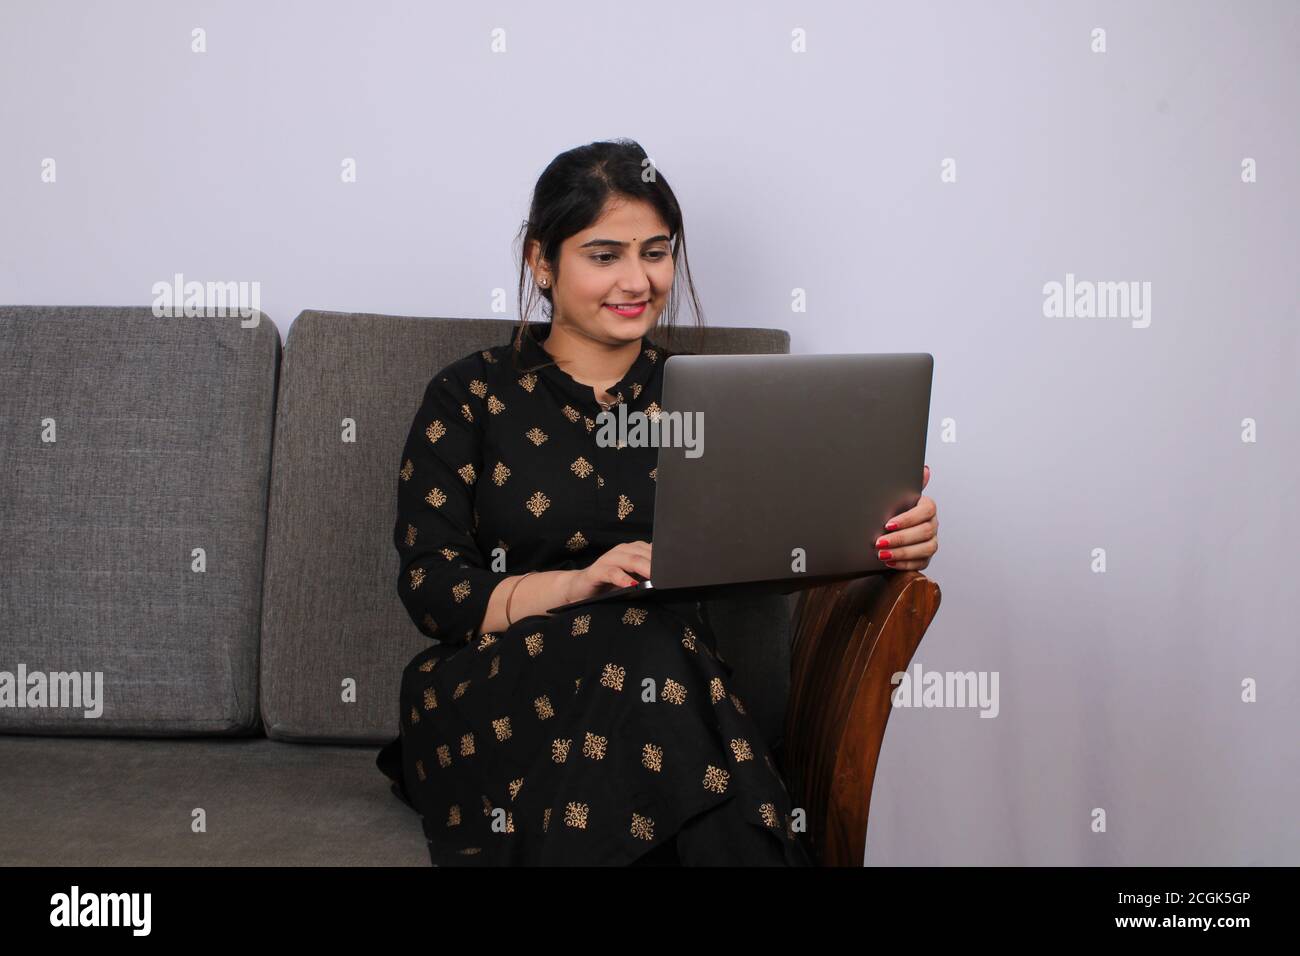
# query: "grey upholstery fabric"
[331,613]
[163,446]
[124,802]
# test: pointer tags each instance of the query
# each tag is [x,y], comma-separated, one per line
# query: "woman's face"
[624,258]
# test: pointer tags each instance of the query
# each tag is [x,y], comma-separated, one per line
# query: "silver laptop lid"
[810,452]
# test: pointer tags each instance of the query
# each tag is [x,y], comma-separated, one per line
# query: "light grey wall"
[818,171]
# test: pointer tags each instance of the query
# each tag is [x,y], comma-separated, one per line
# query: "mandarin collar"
[529,356]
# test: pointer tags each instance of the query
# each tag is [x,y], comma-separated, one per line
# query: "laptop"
[786,474]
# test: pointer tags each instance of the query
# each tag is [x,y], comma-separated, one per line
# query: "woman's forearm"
[532,594]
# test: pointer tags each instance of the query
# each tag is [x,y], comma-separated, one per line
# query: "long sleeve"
[443,580]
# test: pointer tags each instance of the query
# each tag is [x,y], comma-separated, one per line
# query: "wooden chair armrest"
[849,639]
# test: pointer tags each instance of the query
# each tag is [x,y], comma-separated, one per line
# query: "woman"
[607,734]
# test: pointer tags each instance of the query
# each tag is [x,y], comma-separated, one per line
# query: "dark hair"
[572,193]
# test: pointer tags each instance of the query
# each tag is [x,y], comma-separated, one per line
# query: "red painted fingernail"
[886,555]
[882,542]
[889,563]
[891,526]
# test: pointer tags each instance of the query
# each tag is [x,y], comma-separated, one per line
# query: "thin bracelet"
[512,597]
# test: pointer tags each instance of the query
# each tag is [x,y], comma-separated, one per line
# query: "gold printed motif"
[486,641]
[593,746]
[654,473]
[408,469]
[715,779]
[453,815]
[419,769]
[716,690]
[575,815]
[514,787]
[642,827]
[577,542]
[560,749]
[673,692]
[500,473]
[417,577]
[577,684]
[415,716]
[740,749]
[546,819]
[444,755]
[435,497]
[430,698]
[652,355]
[652,757]
[470,851]
[467,474]
[588,422]
[600,482]
[612,676]
[429,665]
[543,707]
[502,727]
[495,405]
[496,666]
[735,702]
[467,745]
[460,591]
[529,382]
[537,504]
[488,357]
[624,507]
[460,689]
[487,805]
[571,413]
[581,624]
[478,388]
[464,410]
[435,431]
[535,435]
[410,535]
[652,411]
[636,390]
[448,553]
[581,467]
[534,644]
[688,639]
[634,615]
[768,812]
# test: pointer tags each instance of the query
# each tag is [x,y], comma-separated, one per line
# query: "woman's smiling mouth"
[627,310]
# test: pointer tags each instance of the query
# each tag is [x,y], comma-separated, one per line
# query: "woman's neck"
[589,362]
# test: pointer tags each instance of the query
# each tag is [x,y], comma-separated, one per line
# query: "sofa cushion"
[335,636]
[125,802]
[163,445]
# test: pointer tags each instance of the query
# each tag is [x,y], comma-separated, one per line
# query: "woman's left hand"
[911,538]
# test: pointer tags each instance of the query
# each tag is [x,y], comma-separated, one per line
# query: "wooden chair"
[849,638]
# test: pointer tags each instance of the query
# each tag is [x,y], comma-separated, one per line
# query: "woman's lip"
[624,310]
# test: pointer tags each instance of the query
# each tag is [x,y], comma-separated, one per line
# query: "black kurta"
[586,737]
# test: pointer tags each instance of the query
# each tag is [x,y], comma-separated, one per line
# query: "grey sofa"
[205,519]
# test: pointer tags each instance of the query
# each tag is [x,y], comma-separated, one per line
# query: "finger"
[635,564]
[913,535]
[912,552]
[907,565]
[923,510]
[925,476]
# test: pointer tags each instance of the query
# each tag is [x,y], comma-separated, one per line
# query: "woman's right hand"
[613,568]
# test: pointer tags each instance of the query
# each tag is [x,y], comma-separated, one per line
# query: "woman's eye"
[657,254]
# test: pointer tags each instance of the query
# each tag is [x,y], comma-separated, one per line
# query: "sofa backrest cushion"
[135,453]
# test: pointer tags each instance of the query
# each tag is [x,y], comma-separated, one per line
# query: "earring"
[541,283]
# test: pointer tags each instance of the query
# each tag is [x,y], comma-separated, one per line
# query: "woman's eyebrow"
[615,242]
